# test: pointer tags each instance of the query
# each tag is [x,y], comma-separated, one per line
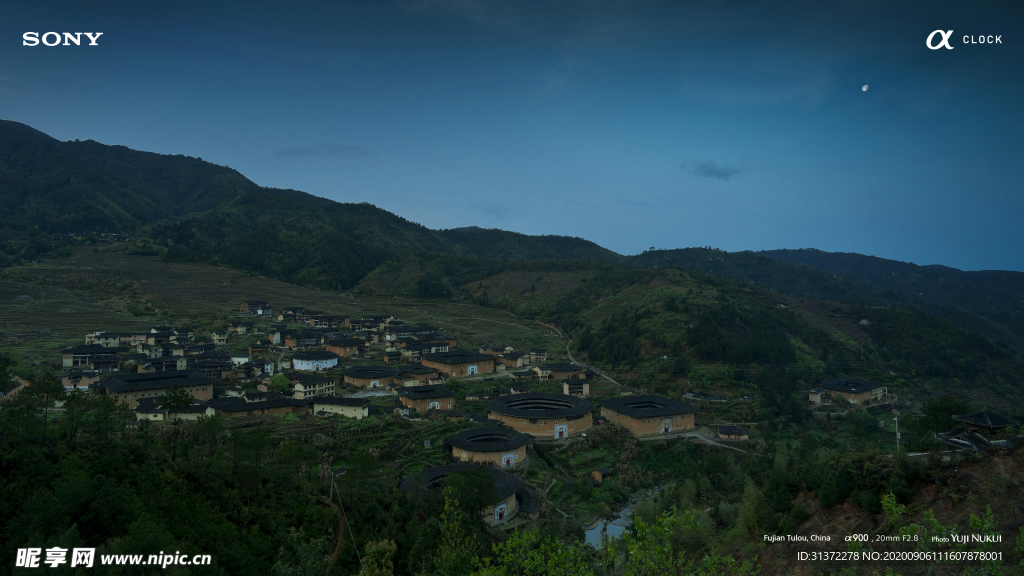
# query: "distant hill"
[59,187]
[204,212]
[198,211]
[995,294]
[988,313]
[504,245]
[728,337]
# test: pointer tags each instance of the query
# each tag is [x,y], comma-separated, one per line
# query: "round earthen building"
[543,415]
[499,446]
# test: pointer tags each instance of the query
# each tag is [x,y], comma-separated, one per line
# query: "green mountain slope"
[678,330]
[501,244]
[996,295]
[201,211]
[803,280]
[60,187]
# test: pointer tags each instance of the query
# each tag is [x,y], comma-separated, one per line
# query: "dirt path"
[22,383]
[710,441]
[568,352]
[341,533]
[573,360]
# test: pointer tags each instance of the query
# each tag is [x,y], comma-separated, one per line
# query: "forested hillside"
[989,312]
[995,294]
[49,186]
[666,328]
[185,209]
[500,244]
[203,212]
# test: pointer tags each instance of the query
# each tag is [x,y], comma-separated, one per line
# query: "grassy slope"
[117,292]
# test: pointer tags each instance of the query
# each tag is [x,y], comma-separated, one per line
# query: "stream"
[621,521]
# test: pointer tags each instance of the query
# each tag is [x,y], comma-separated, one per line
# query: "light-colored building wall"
[481,367]
[131,399]
[357,412]
[649,426]
[424,404]
[545,428]
[875,395]
[510,507]
[498,459]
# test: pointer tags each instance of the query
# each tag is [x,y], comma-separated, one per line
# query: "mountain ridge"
[199,211]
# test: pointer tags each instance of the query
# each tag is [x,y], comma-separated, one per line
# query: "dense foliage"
[994,294]
[986,303]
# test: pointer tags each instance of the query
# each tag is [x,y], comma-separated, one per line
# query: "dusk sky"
[742,126]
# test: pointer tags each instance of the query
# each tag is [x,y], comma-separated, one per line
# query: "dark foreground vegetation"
[758,330]
[257,498]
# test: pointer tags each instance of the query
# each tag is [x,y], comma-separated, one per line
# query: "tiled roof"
[986,419]
[647,406]
[851,385]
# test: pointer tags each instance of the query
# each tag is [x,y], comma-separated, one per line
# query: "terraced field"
[49,305]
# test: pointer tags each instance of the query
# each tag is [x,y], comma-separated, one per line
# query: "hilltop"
[185,209]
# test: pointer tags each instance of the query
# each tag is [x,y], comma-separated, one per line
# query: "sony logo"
[69,38]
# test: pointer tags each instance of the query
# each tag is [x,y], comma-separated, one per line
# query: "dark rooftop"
[155,380]
[491,439]
[530,503]
[647,406]
[851,385]
[314,355]
[457,356]
[424,392]
[539,405]
[986,419]
[505,484]
[371,372]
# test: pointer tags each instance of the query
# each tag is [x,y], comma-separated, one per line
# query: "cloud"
[498,211]
[711,169]
[325,150]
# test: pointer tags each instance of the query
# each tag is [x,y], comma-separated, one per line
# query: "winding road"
[569,352]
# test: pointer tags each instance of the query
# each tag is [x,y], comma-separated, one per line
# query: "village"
[485,405]
[312,364]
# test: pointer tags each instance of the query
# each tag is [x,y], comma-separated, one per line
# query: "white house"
[314,360]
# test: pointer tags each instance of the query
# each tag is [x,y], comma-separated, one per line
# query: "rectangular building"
[855,390]
[130,388]
[648,414]
[459,362]
[423,398]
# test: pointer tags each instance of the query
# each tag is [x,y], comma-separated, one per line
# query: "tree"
[106,415]
[454,555]
[524,553]
[302,556]
[75,407]
[938,412]
[46,388]
[377,561]
[279,382]
[175,400]
[475,487]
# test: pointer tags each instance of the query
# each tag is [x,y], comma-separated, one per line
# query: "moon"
[864,88]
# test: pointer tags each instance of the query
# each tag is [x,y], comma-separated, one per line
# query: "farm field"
[49,305]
